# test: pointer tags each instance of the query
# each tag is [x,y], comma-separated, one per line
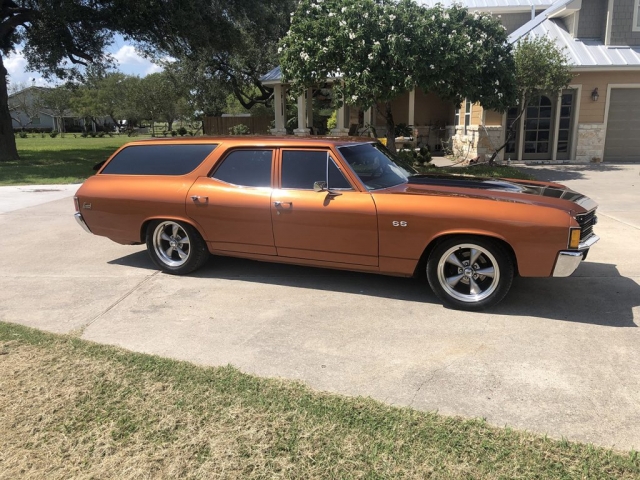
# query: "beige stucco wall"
[493,118]
[432,110]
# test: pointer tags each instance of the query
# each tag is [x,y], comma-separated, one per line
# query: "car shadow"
[596,294]
[560,173]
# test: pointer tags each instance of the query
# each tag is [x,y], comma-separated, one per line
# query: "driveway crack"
[80,331]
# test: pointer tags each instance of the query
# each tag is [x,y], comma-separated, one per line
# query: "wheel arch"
[435,241]
[188,221]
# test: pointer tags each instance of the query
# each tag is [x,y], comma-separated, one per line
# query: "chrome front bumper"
[81,221]
[569,260]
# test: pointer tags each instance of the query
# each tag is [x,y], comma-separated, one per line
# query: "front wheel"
[176,247]
[470,273]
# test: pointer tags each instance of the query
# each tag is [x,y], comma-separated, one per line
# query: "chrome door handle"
[280,204]
[198,198]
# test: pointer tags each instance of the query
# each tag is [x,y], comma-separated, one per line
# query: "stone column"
[556,129]
[342,128]
[280,108]
[302,130]
[310,108]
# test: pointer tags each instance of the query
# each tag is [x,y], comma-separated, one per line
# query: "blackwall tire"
[470,273]
[176,247]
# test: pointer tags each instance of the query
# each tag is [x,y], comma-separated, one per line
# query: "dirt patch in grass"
[73,409]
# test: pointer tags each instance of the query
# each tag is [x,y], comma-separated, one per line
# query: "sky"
[129,61]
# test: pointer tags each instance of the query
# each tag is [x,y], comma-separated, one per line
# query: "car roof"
[256,140]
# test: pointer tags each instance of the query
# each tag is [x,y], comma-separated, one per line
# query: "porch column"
[556,129]
[310,108]
[520,137]
[412,108]
[411,119]
[342,121]
[368,120]
[302,130]
[280,108]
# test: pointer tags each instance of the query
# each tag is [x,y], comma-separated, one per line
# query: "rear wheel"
[176,247]
[470,273]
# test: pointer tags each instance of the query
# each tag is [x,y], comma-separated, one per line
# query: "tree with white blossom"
[541,68]
[379,49]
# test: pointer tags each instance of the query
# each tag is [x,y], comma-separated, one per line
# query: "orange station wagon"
[335,203]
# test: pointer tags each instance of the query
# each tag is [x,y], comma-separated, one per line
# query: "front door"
[545,127]
[337,225]
[233,205]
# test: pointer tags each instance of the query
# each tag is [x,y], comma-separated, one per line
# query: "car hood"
[499,189]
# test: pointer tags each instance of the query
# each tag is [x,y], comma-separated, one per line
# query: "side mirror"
[319,186]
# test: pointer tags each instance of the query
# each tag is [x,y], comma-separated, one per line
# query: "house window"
[636,17]
[467,115]
[456,118]
[35,121]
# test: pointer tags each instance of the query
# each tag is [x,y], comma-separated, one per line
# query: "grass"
[70,408]
[58,160]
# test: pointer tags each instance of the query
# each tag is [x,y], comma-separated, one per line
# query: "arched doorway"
[548,123]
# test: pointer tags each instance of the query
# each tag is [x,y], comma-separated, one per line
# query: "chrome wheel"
[468,272]
[171,244]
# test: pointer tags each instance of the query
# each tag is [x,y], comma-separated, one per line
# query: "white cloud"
[16,65]
[130,61]
[128,55]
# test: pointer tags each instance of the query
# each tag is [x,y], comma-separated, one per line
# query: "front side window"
[158,159]
[374,165]
[246,168]
[301,169]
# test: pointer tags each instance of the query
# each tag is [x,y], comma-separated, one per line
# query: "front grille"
[587,221]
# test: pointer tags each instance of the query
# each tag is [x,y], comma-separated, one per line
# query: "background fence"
[221,125]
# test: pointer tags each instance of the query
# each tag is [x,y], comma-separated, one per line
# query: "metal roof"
[274,76]
[490,4]
[585,53]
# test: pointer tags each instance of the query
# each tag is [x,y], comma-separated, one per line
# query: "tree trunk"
[510,134]
[391,128]
[8,149]
[169,125]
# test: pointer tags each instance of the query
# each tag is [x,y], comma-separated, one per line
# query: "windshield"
[374,165]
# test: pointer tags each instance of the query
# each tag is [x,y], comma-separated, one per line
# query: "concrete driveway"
[558,356]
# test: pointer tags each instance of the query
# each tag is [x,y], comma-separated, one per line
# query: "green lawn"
[58,160]
[74,409]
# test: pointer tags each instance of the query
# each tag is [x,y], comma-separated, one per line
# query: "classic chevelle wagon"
[336,203]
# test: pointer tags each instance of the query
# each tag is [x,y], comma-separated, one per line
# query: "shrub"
[22,134]
[403,130]
[182,131]
[100,134]
[240,129]
[332,121]
[173,133]
[84,134]
[53,134]
[92,134]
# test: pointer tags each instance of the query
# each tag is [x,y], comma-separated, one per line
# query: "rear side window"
[246,168]
[158,159]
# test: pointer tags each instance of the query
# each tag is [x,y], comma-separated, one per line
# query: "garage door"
[623,128]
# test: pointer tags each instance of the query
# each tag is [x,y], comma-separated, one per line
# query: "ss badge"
[396,223]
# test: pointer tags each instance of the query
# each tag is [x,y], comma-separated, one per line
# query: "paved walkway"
[558,356]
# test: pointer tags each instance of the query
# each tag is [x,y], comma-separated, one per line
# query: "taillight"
[76,202]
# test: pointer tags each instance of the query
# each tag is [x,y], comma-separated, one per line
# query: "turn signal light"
[574,238]
[77,203]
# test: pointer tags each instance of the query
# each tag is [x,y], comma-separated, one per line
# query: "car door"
[338,224]
[233,204]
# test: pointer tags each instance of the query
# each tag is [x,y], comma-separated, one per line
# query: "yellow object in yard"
[383,141]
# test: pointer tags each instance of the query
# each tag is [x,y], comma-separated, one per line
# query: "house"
[593,120]
[28,111]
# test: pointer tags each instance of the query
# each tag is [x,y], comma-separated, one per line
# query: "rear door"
[339,225]
[233,204]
